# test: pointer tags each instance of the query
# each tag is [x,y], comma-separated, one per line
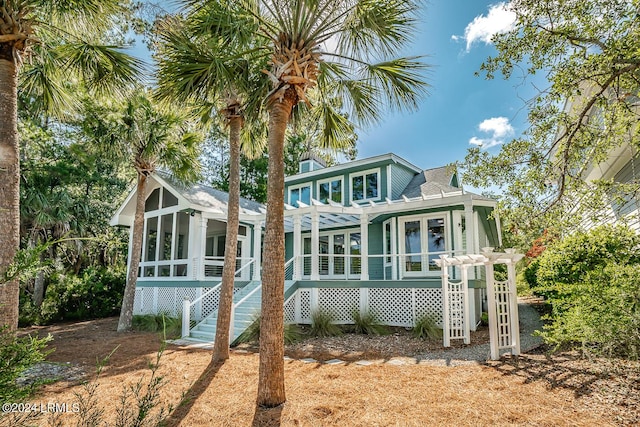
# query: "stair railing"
[186,304]
[288,266]
[238,304]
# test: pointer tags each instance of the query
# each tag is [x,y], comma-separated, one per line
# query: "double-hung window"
[330,190]
[365,185]
[300,193]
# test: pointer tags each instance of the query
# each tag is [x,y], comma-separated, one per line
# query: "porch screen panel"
[338,252]
[413,245]
[166,230]
[151,239]
[182,238]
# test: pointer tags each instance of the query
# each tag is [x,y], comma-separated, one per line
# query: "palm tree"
[63,42]
[317,49]
[197,67]
[150,137]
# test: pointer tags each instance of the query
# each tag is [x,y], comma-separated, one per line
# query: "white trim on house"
[329,181]
[354,164]
[299,187]
[364,174]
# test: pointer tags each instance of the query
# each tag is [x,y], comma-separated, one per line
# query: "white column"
[465,303]
[203,246]
[364,246]
[315,244]
[394,249]
[297,247]
[257,246]
[446,315]
[470,231]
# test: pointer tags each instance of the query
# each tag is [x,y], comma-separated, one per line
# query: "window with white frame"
[365,185]
[300,193]
[330,189]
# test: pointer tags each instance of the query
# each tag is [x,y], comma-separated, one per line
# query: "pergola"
[502,299]
[318,216]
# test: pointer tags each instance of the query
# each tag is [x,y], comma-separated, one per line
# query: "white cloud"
[499,20]
[498,129]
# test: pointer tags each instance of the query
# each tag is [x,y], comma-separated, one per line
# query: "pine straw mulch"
[534,389]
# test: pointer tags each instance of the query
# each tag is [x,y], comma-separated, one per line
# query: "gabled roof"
[430,182]
[362,163]
[198,197]
[208,197]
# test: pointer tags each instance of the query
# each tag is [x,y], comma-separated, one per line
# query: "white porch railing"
[187,305]
[379,267]
[212,267]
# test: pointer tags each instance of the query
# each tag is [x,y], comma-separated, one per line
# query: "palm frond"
[103,68]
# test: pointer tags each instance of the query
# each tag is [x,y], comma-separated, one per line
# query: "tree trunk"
[223,324]
[9,187]
[271,372]
[126,311]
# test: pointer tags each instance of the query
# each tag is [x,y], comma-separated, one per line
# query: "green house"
[362,235]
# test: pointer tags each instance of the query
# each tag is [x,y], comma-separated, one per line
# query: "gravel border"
[475,354]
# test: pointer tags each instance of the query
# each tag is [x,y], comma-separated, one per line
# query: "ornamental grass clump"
[368,323]
[322,324]
[427,328]
[292,333]
[171,327]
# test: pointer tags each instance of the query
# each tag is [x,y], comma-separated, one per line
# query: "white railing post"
[232,322]
[364,246]
[491,306]
[186,317]
[257,240]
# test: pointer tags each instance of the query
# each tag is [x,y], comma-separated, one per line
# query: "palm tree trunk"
[223,324]
[9,186]
[126,311]
[271,372]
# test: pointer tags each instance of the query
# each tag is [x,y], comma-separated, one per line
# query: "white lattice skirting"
[393,306]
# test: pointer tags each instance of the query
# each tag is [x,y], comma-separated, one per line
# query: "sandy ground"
[533,389]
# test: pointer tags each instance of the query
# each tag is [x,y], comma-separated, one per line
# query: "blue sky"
[462,109]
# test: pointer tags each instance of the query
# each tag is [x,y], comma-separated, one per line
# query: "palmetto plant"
[43,46]
[317,50]
[149,136]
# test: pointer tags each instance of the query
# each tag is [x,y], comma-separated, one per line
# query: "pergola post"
[315,244]
[513,308]
[364,246]
[297,247]
[491,307]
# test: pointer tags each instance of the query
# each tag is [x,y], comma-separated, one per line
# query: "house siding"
[400,178]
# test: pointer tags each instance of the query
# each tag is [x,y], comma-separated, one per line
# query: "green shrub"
[16,355]
[368,323]
[170,326]
[322,324]
[601,314]
[592,283]
[96,293]
[427,328]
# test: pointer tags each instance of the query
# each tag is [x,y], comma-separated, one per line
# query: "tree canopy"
[588,51]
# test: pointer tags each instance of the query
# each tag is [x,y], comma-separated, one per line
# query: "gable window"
[365,185]
[301,193]
[330,190]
